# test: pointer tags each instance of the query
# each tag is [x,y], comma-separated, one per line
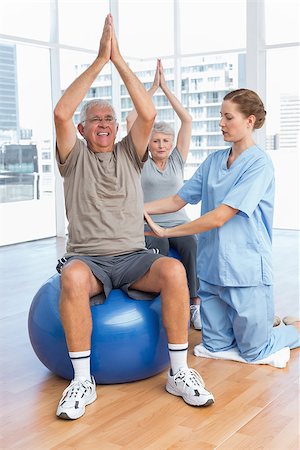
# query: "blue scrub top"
[239,252]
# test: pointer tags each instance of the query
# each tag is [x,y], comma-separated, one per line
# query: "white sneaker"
[75,397]
[195,316]
[188,384]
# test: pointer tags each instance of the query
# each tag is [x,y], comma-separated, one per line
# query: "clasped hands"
[109,48]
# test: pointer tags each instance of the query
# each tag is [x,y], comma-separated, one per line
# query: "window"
[210,25]
[46,155]
[72,64]
[283,109]
[25,129]
[26,196]
[139,24]
[26,18]
[283,99]
[282,21]
[209,82]
[87,20]
[46,169]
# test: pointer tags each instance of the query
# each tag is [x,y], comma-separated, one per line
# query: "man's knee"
[172,271]
[74,274]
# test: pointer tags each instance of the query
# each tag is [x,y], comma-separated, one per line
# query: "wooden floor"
[257,407]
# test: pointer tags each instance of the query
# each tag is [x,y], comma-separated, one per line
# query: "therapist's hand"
[156,229]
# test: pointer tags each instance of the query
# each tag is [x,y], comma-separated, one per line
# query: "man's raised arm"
[143,104]
[75,93]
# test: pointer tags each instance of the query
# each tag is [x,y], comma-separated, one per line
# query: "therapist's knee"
[250,356]
[251,352]
[217,340]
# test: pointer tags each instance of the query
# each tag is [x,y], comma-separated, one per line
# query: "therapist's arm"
[165,205]
[213,219]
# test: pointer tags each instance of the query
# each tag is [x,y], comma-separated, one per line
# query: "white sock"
[178,356]
[81,364]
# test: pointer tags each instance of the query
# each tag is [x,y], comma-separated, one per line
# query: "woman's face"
[234,125]
[160,145]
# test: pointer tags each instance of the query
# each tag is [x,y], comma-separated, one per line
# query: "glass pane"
[283,133]
[205,80]
[208,25]
[26,145]
[72,64]
[282,21]
[146,28]
[283,99]
[145,71]
[81,22]
[26,18]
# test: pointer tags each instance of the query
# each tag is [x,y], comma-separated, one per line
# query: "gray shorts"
[120,272]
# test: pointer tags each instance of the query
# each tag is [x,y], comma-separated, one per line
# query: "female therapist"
[236,187]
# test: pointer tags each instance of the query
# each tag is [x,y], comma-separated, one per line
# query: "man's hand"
[115,51]
[162,81]
[106,39]
[156,81]
[156,229]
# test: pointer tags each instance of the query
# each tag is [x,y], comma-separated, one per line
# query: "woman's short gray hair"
[101,103]
[164,128]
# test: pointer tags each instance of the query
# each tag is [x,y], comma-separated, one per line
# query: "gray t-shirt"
[104,200]
[158,184]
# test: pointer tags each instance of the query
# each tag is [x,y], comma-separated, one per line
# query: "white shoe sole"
[173,391]
[64,415]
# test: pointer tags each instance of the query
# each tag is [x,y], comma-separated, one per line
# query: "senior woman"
[163,175]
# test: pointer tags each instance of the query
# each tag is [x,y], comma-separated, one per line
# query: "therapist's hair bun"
[249,104]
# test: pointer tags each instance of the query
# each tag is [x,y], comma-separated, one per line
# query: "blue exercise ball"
[174,254]
[128,340]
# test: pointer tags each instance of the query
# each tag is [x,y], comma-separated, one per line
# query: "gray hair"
[164,128]
[88,105]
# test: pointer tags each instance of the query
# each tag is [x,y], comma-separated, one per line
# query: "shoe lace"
[76,389]
[190,378]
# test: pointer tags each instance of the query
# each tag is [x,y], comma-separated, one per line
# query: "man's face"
[99,128]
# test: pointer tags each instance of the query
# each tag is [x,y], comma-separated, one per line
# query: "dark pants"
[186,246]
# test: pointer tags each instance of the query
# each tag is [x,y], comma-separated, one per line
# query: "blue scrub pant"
[242,317]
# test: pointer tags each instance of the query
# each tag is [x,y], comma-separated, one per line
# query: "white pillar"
[256,56]
[177,58]
[56,94]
